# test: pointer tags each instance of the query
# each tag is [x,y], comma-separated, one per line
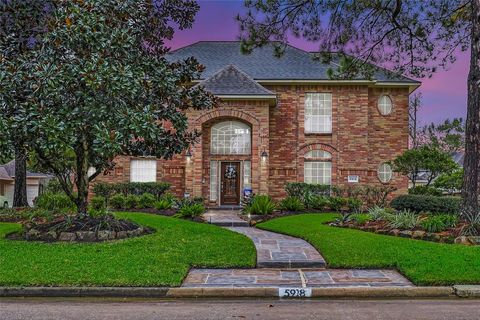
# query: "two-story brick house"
[282,119]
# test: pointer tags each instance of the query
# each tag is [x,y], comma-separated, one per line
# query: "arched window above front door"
[231,137]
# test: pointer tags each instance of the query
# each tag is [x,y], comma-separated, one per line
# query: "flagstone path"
[294,278]
[284,261]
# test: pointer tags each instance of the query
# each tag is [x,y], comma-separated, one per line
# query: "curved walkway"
[283,261]
[274,250]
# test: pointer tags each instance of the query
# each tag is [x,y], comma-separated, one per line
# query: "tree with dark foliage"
[22,23]
[411,37]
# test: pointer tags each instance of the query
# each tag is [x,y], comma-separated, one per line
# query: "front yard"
[424,263]
[159,259]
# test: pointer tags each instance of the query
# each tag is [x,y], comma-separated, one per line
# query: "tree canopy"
[407,36]
[103,87]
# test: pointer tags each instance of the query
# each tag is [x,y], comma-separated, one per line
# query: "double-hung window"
[318,113]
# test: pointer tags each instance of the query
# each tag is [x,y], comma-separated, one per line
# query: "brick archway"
[226,113]
[316,146]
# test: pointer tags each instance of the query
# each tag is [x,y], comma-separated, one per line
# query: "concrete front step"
[225,218]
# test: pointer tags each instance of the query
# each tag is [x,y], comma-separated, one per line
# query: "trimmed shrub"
[424,190]
[370,196]
[302,190]
[261,205]
[423,203]
[354,205]
[98,203]
[168,197]
[117,201]
[439,223]
[292,204]
[337,203]
[131,202]
[317,202]
[190,211]
[146,201]
[405,220]
[135,188]
[58,202]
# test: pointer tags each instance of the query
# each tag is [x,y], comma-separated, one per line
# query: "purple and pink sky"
[444,94]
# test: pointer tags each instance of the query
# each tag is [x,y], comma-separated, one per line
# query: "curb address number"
[294,292]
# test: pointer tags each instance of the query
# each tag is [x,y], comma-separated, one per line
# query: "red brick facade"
[360,141]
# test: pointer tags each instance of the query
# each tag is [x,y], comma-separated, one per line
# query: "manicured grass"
[159,259]
[424,263]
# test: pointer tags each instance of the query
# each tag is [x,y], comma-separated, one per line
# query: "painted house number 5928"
[294,292]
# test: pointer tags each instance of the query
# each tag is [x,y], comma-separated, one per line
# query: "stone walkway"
[283,261]
[294,278]
[280,251]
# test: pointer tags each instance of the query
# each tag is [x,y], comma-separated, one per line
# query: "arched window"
[231,137]
[385,172]
[385,105]
[318,154]
[317,168]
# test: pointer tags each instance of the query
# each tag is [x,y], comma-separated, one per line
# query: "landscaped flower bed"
[445,228]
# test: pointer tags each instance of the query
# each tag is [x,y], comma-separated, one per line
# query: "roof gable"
[231,81]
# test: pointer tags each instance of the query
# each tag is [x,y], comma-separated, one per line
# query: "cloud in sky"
[444,94]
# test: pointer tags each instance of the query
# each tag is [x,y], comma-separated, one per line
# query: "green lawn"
[424,263]
[159,259]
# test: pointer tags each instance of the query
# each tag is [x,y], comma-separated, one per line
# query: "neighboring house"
[422,178]
[35,183]
[280,120]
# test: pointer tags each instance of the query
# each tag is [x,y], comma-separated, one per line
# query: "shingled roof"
[9,170]
[4,175]
[231,81]
[261,64]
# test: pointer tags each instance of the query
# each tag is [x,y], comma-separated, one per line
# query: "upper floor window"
[385,172]
[318,113]
[143,170]
[385,105]
[231,137]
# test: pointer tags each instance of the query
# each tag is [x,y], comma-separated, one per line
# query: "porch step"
[225,218]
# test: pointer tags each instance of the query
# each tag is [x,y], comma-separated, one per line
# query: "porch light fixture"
[264,156]
[188,155]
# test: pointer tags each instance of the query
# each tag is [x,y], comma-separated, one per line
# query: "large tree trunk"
[471,182]
[82,178]
[20,191]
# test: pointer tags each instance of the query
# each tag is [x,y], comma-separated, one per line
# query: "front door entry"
[230,186]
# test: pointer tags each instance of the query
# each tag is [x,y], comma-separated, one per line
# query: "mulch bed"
[80,229]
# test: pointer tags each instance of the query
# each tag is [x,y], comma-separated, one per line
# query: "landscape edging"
[236,292]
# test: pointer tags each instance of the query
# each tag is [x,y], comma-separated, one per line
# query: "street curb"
[467,291]
[239,292]
[139,292]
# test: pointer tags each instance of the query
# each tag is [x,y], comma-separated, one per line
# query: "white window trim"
[385,176]
[227,147]
[318,119]
[382,104]
[143,170]
[324,170]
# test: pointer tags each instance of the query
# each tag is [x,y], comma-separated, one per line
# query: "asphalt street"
[119,309]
